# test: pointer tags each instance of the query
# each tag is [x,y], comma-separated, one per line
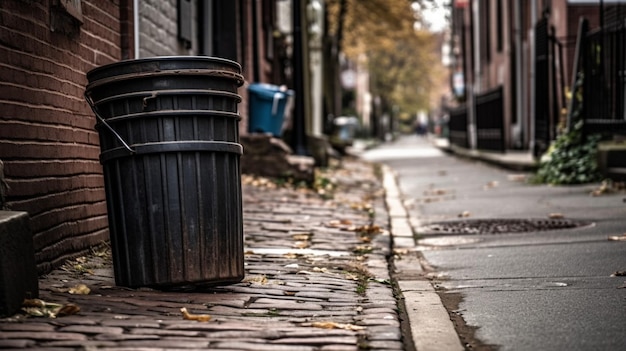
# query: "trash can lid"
[162,63]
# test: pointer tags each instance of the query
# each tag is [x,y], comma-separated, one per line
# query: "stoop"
[612,160]
[18,273]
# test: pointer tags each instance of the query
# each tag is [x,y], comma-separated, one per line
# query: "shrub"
[571,159]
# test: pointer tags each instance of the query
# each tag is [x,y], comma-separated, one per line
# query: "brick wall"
[158,20]
[48,142]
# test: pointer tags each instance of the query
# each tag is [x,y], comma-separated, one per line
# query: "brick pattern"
[276,307]
[158,29]
[47,137]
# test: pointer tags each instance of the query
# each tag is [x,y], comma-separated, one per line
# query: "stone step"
[616,173]
[18,273]
[612,160]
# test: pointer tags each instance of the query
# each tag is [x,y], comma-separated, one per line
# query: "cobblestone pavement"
[317,278]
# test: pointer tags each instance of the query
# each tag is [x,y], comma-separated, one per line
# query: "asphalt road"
[535,290]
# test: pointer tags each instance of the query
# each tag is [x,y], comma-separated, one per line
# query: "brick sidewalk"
[314,281]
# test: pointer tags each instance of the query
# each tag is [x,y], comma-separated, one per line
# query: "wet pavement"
[317,278]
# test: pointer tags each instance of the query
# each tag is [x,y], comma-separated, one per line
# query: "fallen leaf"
[37,312]
[67,310]
[352,276]
[618,238]
[556,216]
[34,303]
[400,251]
[606,187]
[334,223]
[491,184]
[40,308]
[366,239]
[369,229]
[289,293]
[301,244]
[301,237]
[195,317]
[334,325]
[258,279]
[80,289]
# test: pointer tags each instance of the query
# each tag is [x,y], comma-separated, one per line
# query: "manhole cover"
[497,226]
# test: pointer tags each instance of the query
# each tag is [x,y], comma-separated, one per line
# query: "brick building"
[47,139]
[512,70]
[48,143]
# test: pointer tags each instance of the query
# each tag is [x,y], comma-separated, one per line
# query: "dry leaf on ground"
[41,308]
[80,289]
[301,244]
[302,237]
[336,223]
[369,229]
[195,317]
[618,238]
[334,325]
[491,184]
[261,279]
[556,216]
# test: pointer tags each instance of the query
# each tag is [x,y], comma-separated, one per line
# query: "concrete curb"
[430,324]
[515,161]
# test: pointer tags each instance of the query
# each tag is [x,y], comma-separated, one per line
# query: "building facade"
[511,71]
[48,143]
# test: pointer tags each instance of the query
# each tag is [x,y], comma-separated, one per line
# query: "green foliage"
[570,160]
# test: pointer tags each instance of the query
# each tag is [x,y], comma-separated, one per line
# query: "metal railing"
[603,67]
[457,127]
[490,121]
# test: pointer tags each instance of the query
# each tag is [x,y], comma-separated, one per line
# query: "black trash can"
[169,140]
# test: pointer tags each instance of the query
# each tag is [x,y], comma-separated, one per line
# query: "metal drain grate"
[498,226]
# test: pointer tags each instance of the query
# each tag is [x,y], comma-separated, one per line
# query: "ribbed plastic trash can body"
[169,140]
[267,104]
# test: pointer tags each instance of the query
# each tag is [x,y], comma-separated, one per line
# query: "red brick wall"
[47,137]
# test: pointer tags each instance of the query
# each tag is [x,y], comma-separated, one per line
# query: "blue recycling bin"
[267,105]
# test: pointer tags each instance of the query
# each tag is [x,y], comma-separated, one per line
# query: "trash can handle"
[103,121]
[277,97]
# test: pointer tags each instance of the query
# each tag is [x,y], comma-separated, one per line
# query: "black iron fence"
[457,127]
[490,121]
[602,61]
[549,86]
